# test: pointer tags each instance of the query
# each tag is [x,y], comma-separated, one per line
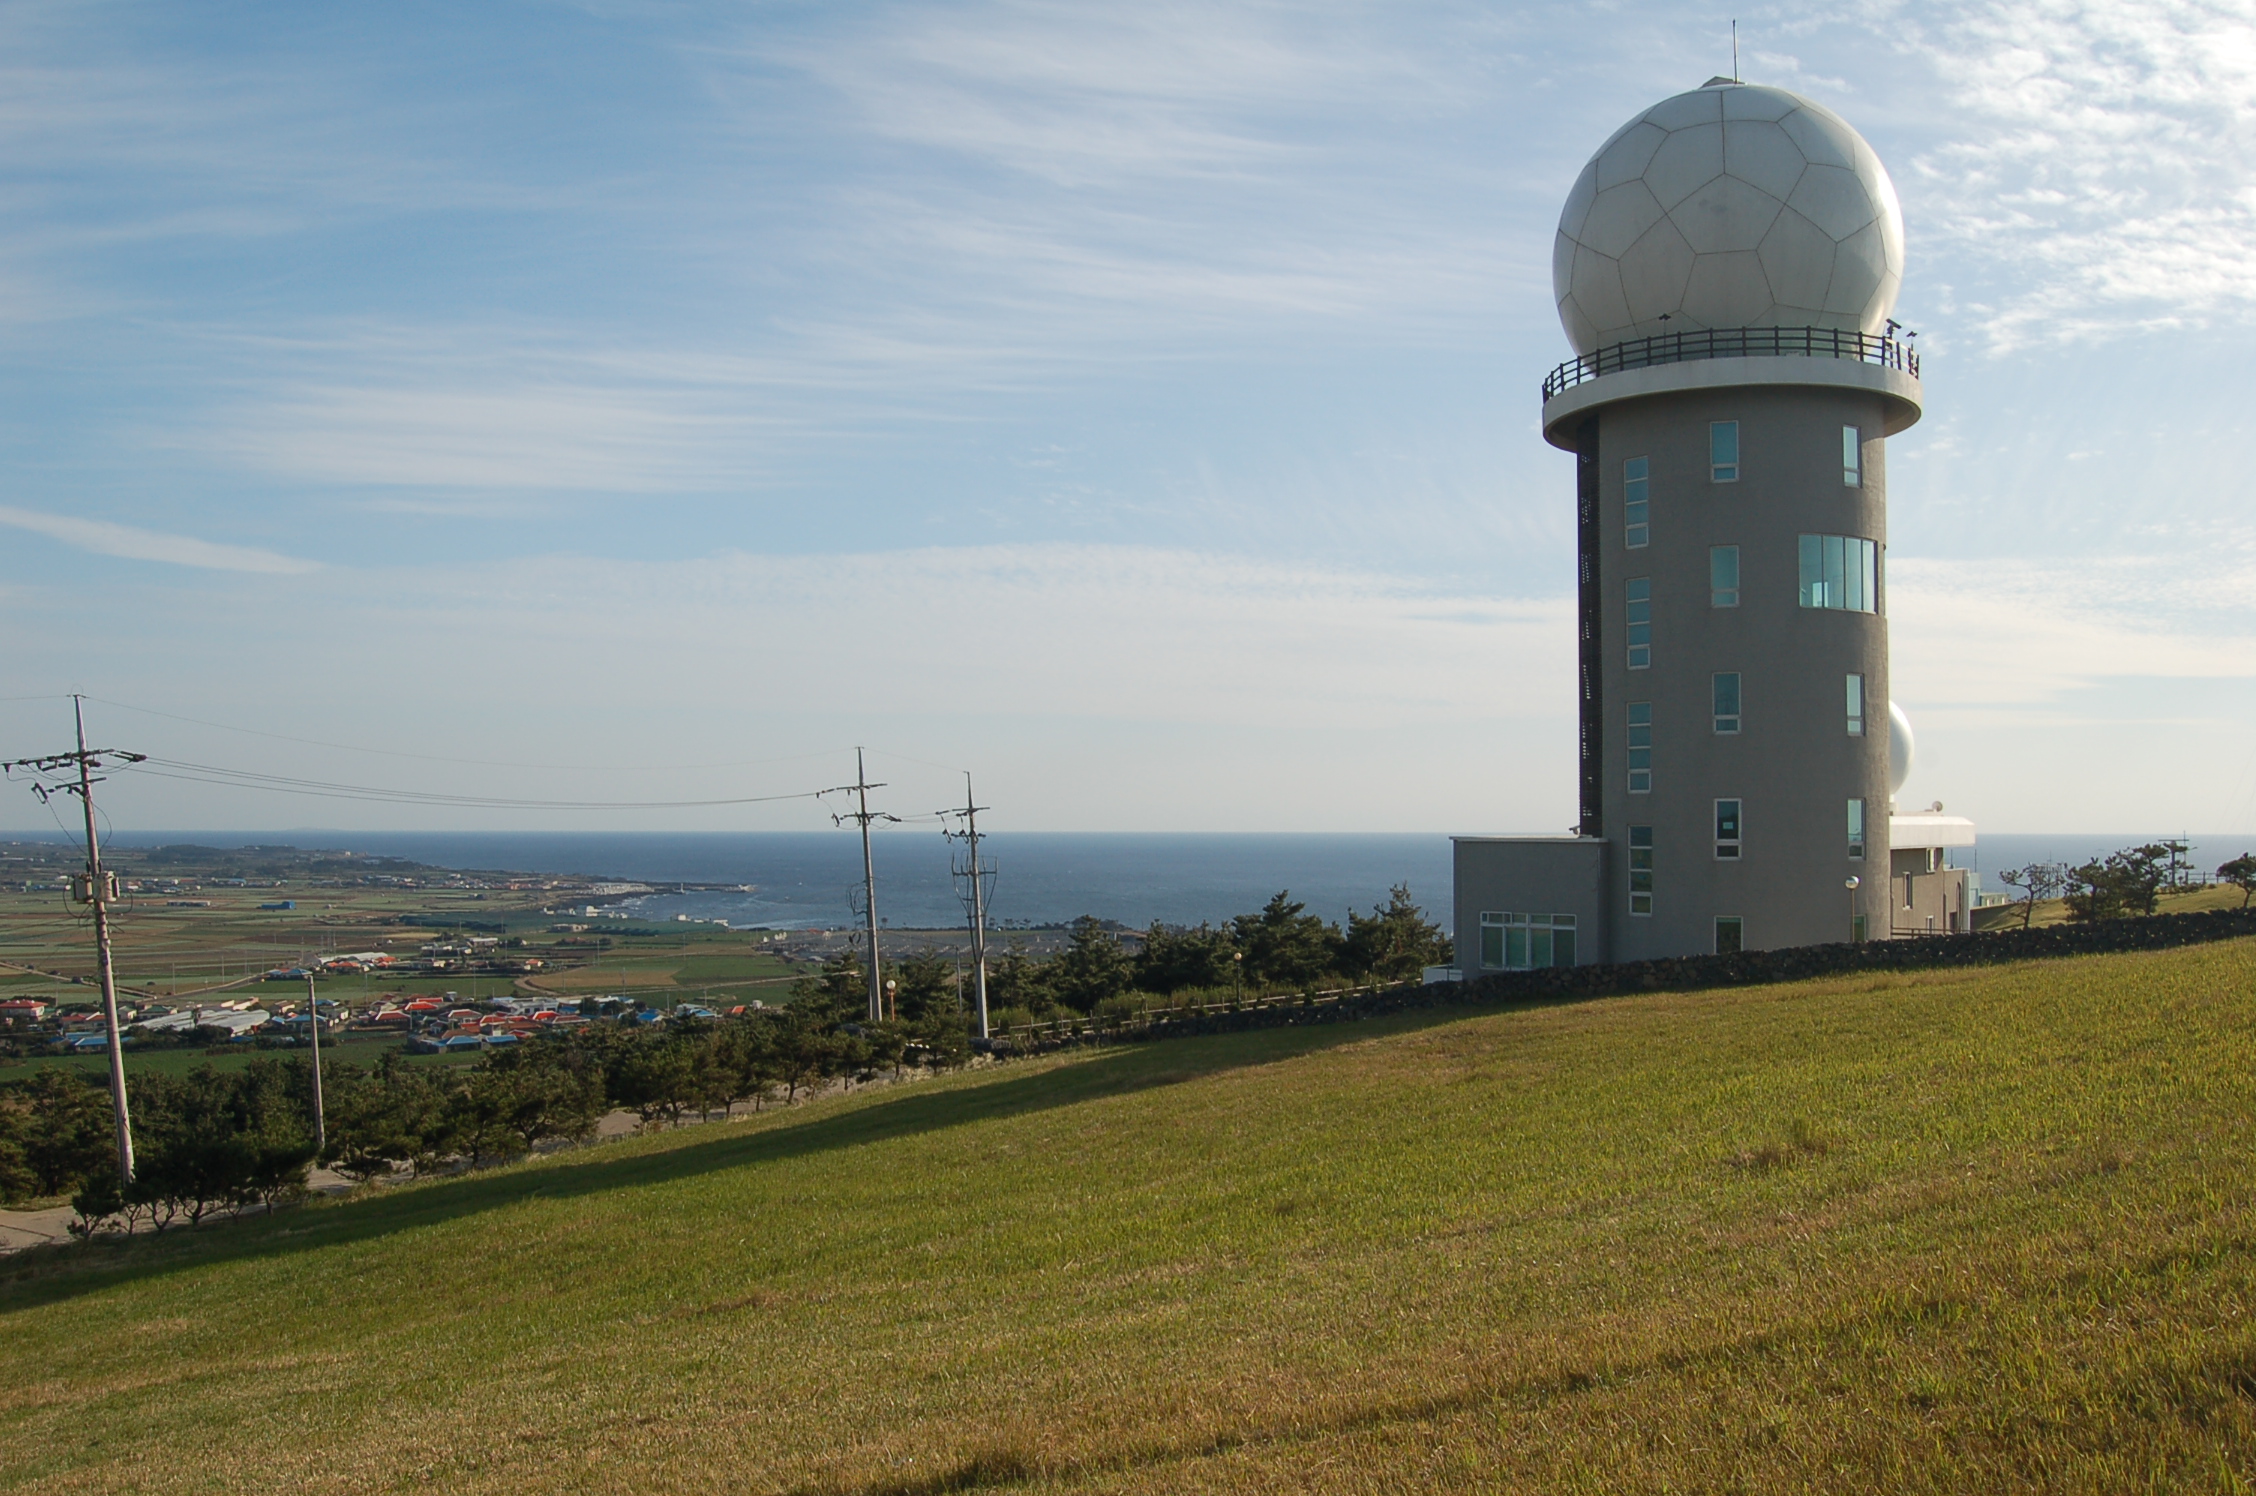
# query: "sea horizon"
[812,879]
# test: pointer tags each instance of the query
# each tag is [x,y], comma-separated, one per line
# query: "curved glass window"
[1840,572]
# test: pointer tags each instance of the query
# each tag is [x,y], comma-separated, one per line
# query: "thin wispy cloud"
[2064,627]
[134,544]
[2104,180]
[1078,97]
[1144,178]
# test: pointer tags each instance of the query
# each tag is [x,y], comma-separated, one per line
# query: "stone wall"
[1748,968]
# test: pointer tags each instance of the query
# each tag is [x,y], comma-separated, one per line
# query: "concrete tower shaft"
[1740,618]
[1726,267]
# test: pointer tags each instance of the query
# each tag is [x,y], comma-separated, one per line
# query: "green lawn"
[1952,1232]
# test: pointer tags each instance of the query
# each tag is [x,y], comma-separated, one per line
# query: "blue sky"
[1137,406]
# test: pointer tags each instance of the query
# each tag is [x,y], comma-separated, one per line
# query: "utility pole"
[99,890]
[863,816]
[313,1028]
[975,904]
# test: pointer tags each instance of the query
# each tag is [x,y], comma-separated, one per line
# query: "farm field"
[1953,1231]
[212,939]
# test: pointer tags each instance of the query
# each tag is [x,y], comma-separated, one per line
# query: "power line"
[213,774]
[100,890]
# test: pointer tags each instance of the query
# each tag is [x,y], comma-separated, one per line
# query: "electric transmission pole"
[313,1031]
[862,816]
[99,890]
[975,903]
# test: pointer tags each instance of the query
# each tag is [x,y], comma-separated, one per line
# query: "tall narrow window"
[1727,829]
[1856,706]
[1723,576]
[1840,572]
[1639,595]
[1723,451]
[1640,747]
[1730,931]
[1636,503]
[1727,701]
[1856,829]
[1852,457]
[1641,870]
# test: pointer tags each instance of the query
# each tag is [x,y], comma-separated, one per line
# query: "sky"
[1135,406]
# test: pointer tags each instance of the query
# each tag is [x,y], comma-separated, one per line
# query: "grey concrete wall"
[1924,896]
[1530,874]
[1792,763]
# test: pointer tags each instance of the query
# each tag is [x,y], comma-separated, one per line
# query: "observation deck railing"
[1733,342]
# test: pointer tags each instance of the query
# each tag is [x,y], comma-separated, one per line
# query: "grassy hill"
[1956,1231]
[2055,911]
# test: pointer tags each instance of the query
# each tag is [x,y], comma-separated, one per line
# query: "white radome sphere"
[1729,206]
[1900,748]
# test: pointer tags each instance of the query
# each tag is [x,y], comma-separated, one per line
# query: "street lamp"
[1852,884]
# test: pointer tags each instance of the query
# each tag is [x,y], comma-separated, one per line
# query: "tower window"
[1636,503]
[1727,829]
[1856,829]
[1640,747]
[1840,572]
[1852,457]
[1723,451]
[1730,934]
[1723,576]
[1727,701]
[1856,706]
[1641,870]
[1639,595]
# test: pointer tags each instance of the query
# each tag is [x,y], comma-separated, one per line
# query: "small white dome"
[1730,206]
[1899,749]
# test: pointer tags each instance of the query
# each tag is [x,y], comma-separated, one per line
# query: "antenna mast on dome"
[1735,52]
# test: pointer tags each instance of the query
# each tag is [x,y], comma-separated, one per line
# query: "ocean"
[812,880]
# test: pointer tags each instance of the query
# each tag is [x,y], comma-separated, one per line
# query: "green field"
[221,947]
[1951,1232]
